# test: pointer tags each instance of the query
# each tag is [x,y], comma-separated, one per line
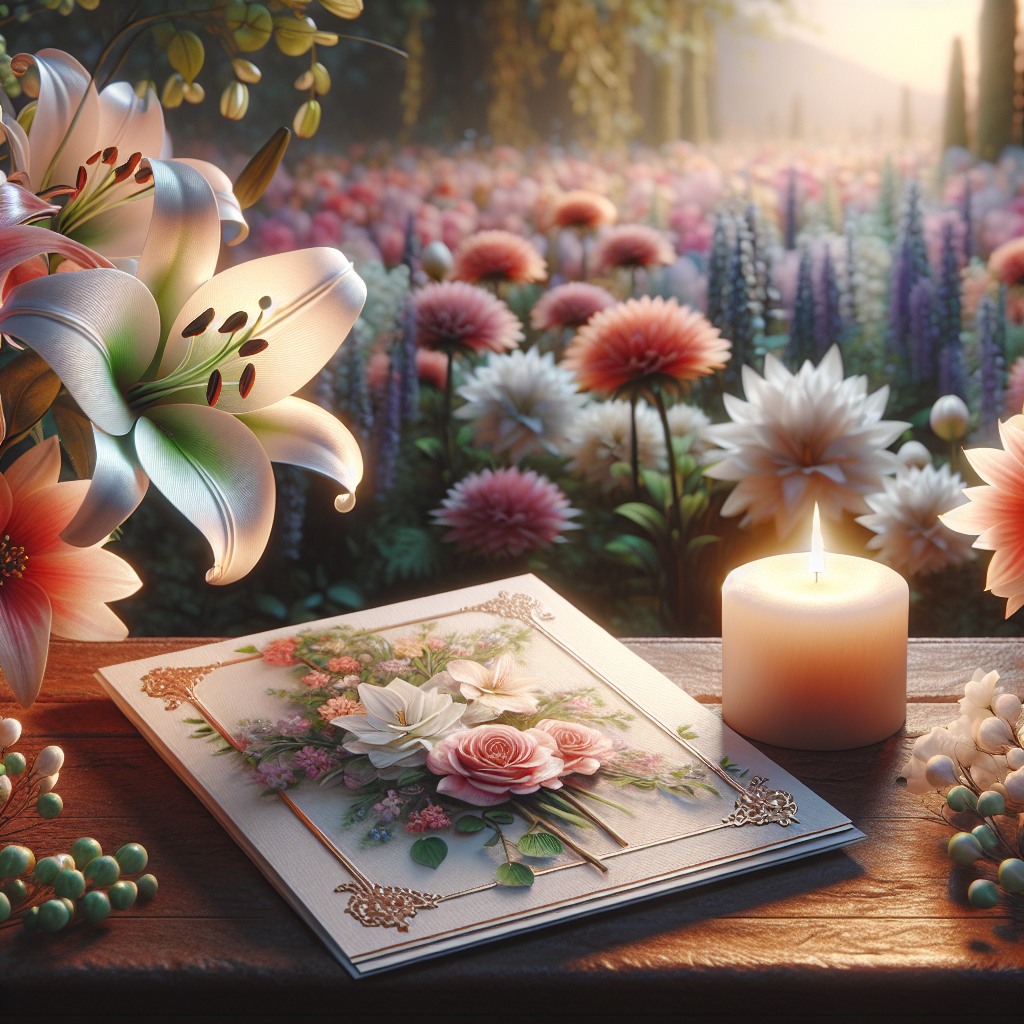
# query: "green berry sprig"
[64,888]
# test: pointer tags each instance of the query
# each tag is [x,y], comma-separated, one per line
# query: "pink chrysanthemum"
[498,256]
[1007,262]
[338,707]
[632,245]
[996,512]
[344,666]
[454,314]
[569,305]
[431,817]
[642,341]
[432,366]
[582,208]
[280,652]
[505,513]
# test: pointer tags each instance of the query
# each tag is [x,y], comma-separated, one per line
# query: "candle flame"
[817,546]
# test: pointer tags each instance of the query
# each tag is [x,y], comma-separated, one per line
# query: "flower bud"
[5,788]
[992,734]
[186,54]
[950,418]
[255,25]
[321,79]
[234,101]
[913,453]
[10,732]
[1015,758]
[257,173]
[347,9]
[246,71]
[1007,706]
[985,772]
[174,91]
[304,81]
[436,260]
[48,782]
[941,772]
[294,36]
[307,119]
[49,761]
[1014,785]
[194,92]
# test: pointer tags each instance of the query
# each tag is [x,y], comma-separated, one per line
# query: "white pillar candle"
[814,660]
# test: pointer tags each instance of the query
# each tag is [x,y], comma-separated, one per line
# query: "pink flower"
[582,749]
[293,725]
[632,245]
[344,666]
[506,512]
[316,678]
[314,761]
[569,305]
[432,366]
[584,209]
[274,774]
[281,652]
[431,817]
[486,765]
[436,643]
[498,256]
[1013,396]
[453,314]
[338,707]
[48,585]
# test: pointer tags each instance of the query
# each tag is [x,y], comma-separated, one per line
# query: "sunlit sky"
[905,40]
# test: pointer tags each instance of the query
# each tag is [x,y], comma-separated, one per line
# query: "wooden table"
[882,928]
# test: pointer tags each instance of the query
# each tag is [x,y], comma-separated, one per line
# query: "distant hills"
[759,79]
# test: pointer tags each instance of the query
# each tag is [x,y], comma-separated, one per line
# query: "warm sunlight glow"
[817,546]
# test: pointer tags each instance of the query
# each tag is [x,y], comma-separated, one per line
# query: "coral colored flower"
[453,315]
[316,679]
[643,341]
[344,666]
[569,305]
[491,763]
[281,652]
[632,245]
[582,749]
[1007,262]
[339,707]
[48,585]
[582,208]
[431,817]
[505,513]
[1013,396]
[498,256]
[996,512]
[432,367]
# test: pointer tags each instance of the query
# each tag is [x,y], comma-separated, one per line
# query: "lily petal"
[118,486]
[303,434]
[17,141]
[315,296]
[132,123]
[98,329]
[24,638]
[22,242]
[214,471]
[184,239]
[232,222]
[18,205]
[63,83]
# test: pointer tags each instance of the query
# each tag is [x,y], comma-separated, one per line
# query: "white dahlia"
[803,438]
[520,403]
[684,420]
[905,517]
[600,436]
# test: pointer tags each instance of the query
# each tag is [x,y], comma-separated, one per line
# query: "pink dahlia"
[644,341]
[432,366]
[569,305]
[452,315]
[505,513]
[498,256]
[281,652]
[584,209]
[1007,262]
[996,512]
[489,764]
[632,245]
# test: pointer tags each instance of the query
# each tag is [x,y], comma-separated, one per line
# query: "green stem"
[446,415]
[634,449]
[676,506]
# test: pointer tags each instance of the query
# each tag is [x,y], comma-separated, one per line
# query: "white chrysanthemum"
[803,438]
[520,402]
[905,517]
[600,436]
[688,419]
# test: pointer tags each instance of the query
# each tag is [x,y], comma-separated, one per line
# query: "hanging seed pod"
[321,79]
[254,26]
[246,71]
[194,92]
[347,9]
[174,91]
[234,101]
[307,119]
[304,81]
[186,54]
[294,36]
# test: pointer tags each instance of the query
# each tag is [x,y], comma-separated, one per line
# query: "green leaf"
[347,595]
[514,874]
[695,543]
[244,650]
[493,841]
[657,487]
[501,817]
[920,418]
[686,732]
[470,823]
[638,552]
[682,445]
[410,552]
[539,844]
[430,852]
[464,436]
[75,430]
[430,446]
[645,516]
[270,605]
[27,389]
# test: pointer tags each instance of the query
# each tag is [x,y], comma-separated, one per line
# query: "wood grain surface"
[882,930]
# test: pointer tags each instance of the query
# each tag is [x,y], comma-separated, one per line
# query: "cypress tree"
[801,330]
[954,128]
[997,31]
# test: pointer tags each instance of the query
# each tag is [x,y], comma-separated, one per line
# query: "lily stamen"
[213,388]
[234,322]
[247,380]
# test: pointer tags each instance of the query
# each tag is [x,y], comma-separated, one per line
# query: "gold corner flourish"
[384,906]
[513,606]
[759,805]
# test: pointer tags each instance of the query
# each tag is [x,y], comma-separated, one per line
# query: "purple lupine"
[410,374]
[292,488]
[910,266]
[968,223]
[791,210]
[924,335]
[951,363]
[718,274]
[992,364]
[828,325]
[390,429]
[801,328]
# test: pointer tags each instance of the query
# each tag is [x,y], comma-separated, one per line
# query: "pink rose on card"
[581,748]
[486,765]
[281,652]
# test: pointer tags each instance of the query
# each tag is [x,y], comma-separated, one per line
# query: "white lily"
[97,150]
[401,725]
[147,357]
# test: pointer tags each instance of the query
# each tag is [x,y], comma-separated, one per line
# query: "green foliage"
[430,851]
[539,844]
[514,873]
